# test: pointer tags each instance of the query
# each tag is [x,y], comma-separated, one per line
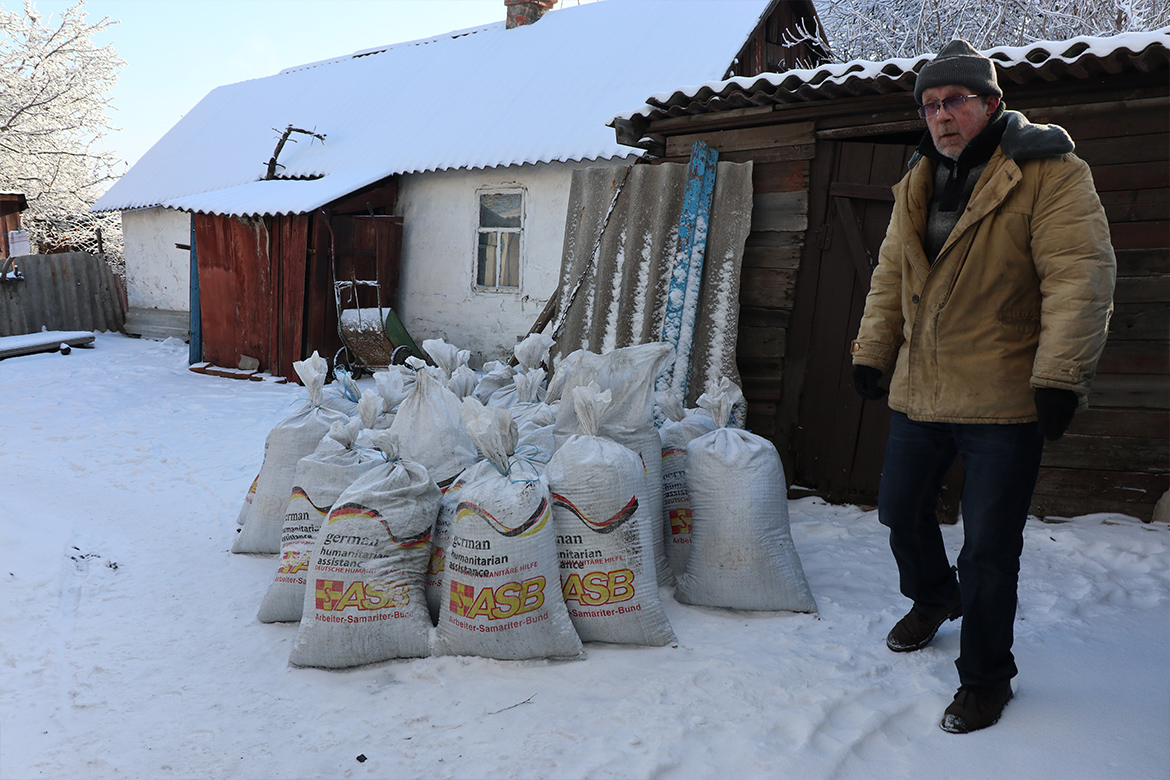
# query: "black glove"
[1054,411]
[865,381]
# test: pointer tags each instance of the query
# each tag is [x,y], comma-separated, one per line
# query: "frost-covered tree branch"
[883,29]
[55,85]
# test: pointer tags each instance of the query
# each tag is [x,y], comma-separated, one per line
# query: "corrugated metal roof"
[1081,57]
[476,98]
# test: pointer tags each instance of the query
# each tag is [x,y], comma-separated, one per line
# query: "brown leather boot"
[975,707]
[916,628]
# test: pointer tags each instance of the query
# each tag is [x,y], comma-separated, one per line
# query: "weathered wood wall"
[1115,457]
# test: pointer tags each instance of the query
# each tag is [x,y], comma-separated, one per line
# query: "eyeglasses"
[951,104]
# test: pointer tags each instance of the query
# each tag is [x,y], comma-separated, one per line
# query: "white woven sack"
[527,386]
[320,479]
[538,443]
[527,410]
[603,533]
[502,583]
[441,536]
[292,439]
[496,375]
[742,554]
[337,400]
[530,417]
[344,393]
[533,350]
[250,496]
[578,368]
[430,429]
[629,374]
[372,414]
[365,598]
[681,427]
[463,381]
[444,355]
[394,385]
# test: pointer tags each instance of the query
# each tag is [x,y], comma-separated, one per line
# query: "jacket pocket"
[1024,322]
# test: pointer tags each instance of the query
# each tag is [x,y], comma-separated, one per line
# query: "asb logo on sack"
[680,521]
[293,563]
[334,595]
[599,587]
[507,601]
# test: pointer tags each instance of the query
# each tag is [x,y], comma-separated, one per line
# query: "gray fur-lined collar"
[1023,140]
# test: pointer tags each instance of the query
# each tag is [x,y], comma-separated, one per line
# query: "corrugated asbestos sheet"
[624,265]
[71,291]
[1041,62]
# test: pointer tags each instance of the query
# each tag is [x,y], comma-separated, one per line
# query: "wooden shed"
[827,145]
[266,282]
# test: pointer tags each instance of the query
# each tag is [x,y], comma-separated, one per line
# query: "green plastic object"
[396,333]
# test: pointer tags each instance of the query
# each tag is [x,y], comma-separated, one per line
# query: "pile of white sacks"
[497,514]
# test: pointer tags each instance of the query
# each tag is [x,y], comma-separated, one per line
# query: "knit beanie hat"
[958,63]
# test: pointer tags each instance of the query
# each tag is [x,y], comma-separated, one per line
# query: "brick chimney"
[522,12]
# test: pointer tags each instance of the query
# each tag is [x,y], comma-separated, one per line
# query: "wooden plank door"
[839,438]
[365,248]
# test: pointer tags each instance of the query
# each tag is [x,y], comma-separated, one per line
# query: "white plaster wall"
[437,295]
[157,274]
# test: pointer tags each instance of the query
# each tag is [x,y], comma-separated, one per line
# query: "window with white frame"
[501,217]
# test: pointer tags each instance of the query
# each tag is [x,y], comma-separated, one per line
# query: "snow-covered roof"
[1081,57]
[475,98]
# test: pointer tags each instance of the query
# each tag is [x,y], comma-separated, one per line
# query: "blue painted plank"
[687,275]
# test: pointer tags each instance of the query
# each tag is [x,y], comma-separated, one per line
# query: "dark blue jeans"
[1002,463]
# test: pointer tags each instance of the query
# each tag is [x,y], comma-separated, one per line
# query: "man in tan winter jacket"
[988,311]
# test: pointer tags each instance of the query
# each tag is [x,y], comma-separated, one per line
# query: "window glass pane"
[486,273]
[499,210]
[509,259]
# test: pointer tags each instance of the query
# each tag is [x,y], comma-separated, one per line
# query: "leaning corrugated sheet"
[1039,62]
[477,98]
[69,291]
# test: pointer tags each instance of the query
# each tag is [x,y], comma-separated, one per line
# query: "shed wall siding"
[1116,456]
[437,296]
[157,274]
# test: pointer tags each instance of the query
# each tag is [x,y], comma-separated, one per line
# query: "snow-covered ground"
[129,644]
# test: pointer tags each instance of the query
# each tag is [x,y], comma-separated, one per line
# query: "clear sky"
[176,51]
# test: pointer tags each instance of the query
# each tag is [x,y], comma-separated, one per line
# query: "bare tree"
[883,29]
[55,87]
